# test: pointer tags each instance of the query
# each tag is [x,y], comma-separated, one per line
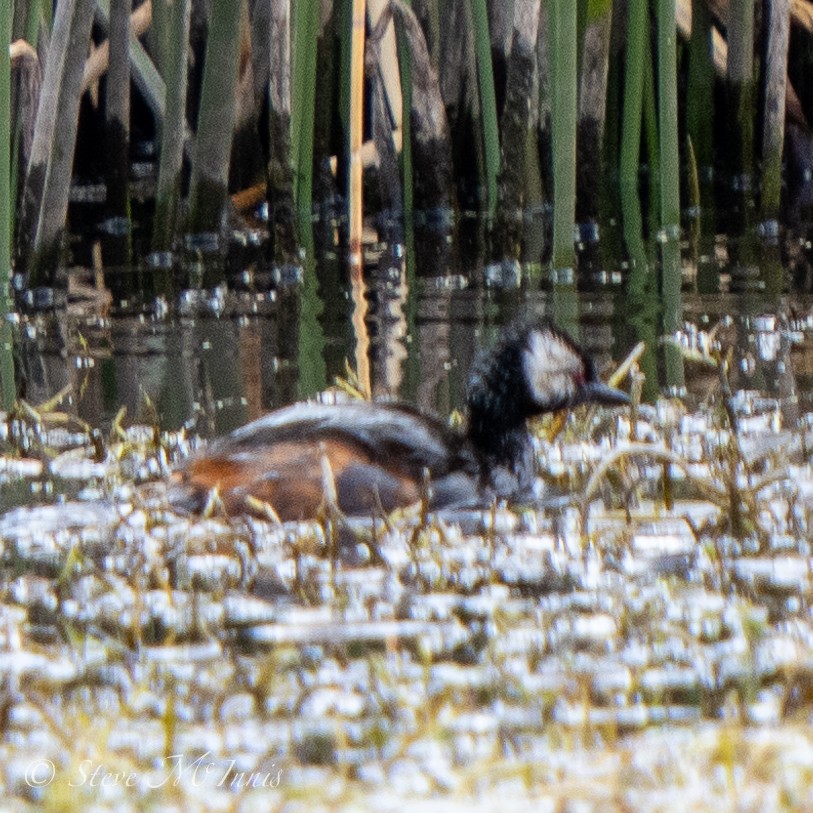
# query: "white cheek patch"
[552,369]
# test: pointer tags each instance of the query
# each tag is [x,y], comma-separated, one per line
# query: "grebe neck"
[499,405]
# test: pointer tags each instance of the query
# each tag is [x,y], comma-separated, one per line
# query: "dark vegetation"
[163,130]
[447,106]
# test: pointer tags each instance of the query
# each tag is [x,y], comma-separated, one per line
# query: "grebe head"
[559,375]
[533,369]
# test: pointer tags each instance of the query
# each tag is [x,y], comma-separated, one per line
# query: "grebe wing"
[398,436]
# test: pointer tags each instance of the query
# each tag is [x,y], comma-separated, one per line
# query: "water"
[215,358]
[641,635]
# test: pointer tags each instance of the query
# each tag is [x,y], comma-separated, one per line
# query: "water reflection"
[212,359]
[214,373]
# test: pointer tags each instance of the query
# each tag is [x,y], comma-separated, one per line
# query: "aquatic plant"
[269,78]
[208,185]
[564,83]
[173,130]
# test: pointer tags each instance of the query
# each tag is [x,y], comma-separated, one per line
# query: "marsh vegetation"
[213,209]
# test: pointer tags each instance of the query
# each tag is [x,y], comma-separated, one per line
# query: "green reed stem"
[641,302]
[640,280]
[311,345]
[210,164]
[564,94]
[668,118]
[700,99]
[488,100]
[742,96]
[161,34]
[693,196]
[168,192]
[305,25]
[652,141]
[642,291]
[670,184]
[637,33]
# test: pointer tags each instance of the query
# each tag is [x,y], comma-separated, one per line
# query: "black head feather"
[534,368]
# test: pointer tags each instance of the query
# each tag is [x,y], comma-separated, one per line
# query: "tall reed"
[49,174]
[641,303]
[488,102]
[210,162]
[519,142]
[281,221]
[652,140]
[667,122]
[160,36]
[594,75]
[742,97]
[144,73]
[670,183]
[117,132]
[168,192]
[405,69]
[700,99]
[564,86]
[305,20]
[29,19]
[407,179]
[667,128]
[637,36]
[312,377]
[431,140]
[6,195]
[700,114]
[773,119]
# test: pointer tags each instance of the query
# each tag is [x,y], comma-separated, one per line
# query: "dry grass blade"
[650,451]
[263,510]
[96,65]
[51,404]
[626,366]
[350,385]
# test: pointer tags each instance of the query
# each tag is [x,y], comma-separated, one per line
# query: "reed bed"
[265,70]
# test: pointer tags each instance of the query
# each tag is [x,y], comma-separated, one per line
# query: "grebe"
[382,455]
